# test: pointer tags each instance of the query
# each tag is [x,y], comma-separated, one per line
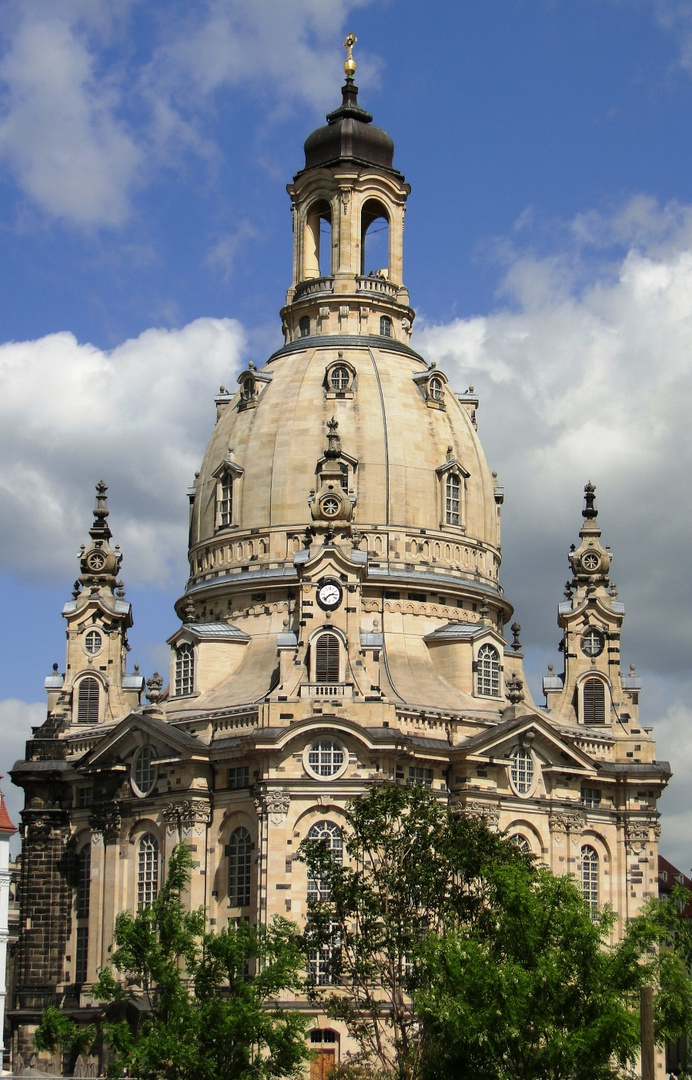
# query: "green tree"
[412,869]
[210,999]
[453,954]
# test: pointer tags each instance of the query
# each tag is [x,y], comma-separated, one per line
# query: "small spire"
[99,530]
[333,441]
[349,63]
[589,512]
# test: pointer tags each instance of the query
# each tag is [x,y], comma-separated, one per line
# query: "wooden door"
[322,1064]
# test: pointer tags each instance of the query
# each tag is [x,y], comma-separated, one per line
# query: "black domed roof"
[349,135]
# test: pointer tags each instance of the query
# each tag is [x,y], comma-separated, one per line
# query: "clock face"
[329,594]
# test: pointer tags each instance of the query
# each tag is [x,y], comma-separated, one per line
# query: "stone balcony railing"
[327,690]
[377,285]
[314,287]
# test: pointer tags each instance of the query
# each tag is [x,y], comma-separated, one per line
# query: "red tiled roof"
[6,824]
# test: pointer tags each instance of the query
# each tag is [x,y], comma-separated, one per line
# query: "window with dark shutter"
[594,702]
[88,701]
[327,658]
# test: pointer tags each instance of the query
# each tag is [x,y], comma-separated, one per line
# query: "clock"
[329,594]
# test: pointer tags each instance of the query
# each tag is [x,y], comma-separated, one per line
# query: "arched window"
[488,671]
[329,833]
[589,876]
[452,498]
[435,389]
[83,882]
[147,871]
[374,239]
[385,326]
[88,701]
[521,842]
[593,696]
[327,656]
[318,241]
[239,867]
[184,669]
[521,770]
[304,326]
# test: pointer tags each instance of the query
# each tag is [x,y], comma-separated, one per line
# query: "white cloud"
[589,377]
[60,132]
[138,416]
[85,122]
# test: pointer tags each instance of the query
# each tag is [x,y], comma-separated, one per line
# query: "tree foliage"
[207,1001]
[454,954]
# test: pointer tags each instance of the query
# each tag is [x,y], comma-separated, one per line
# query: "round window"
[326,759]
[592,642]
[330,505]
[144,772]
[93,641]
[590,560]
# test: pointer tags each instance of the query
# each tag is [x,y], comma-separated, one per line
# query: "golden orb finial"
[350,64]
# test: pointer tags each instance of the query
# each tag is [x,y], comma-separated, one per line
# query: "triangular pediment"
[555,751]
[122,743]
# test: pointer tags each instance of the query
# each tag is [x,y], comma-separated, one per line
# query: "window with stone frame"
[327,658]
[452,498]
[184,669]
[147,871]
[419,776]
[239,852]
[238,776]
[224,500]
[590,797]
[488,671]
[593,701]
[385,326]
[590,877]
[522,770]
[328,833]
[88,700]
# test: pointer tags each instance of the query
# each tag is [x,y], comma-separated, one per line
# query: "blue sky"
[145,236]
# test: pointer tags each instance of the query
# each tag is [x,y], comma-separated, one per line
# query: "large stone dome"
[396,439]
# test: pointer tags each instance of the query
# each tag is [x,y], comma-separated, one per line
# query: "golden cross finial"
[350,64]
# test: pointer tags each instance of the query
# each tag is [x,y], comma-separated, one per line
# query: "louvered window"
[88,701]
[327,659]
[239,868]
[594,702]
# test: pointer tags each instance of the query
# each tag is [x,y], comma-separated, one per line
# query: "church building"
[343,623]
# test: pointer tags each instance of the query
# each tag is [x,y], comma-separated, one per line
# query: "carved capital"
[567,821]
[490,814]
[104,823]
[638,832]
[187,814]
[275,804]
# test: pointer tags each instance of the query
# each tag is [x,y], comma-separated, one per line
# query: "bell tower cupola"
[347,275]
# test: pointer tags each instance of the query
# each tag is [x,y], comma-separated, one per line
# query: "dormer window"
[488,671]
[184,669]
[452,499]
[452,479]
[432,385]
[228,480]
[435,388]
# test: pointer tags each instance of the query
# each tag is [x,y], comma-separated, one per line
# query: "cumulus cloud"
[138,416]
[84,125]
[585,373]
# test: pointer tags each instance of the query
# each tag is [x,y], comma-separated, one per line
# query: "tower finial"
[589,512]
[100,530]
[350,64]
